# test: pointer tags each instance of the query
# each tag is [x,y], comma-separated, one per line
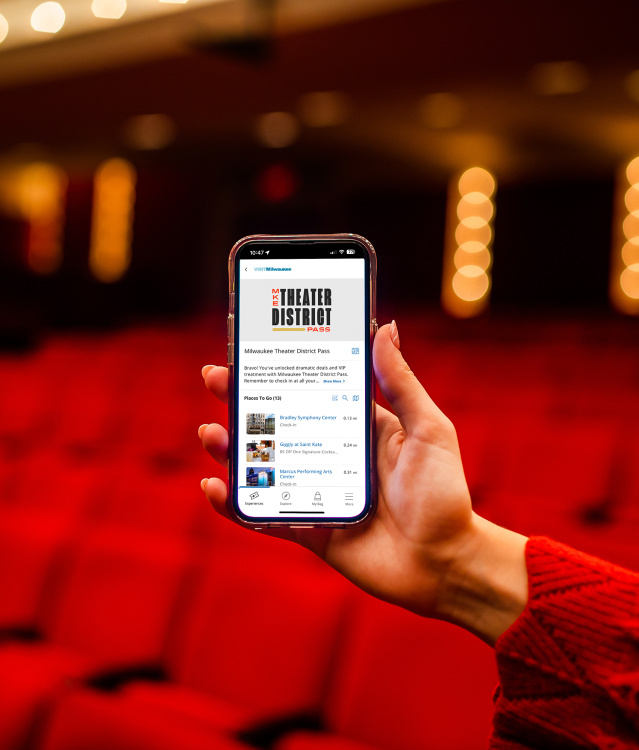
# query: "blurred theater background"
[489,150]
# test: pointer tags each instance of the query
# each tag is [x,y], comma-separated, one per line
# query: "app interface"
[301,364]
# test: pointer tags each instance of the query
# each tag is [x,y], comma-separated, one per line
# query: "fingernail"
[206,369]
[200,430]
[394,334]
[203,484]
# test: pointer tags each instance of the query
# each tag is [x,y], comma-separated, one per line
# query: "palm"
[414,517]
[423,502]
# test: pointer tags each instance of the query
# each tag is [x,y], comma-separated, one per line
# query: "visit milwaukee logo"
[306,310]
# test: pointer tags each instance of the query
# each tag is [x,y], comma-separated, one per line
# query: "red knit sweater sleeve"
[569,666]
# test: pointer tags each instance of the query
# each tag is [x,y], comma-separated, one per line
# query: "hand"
[424,549]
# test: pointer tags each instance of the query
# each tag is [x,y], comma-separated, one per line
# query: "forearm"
[485,587]
[569,667]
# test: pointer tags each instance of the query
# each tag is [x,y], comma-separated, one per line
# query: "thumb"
[414,408]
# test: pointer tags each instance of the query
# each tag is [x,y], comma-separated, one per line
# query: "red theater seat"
[32,545]
[404,682]
[49,479]
[118,596]
[250,606]
[257,646]
[112,611]
[24,398]
[326,741]
[167,501]
[92,721]
[563,463]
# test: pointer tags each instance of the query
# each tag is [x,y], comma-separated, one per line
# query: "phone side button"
[301,526]
[229,354]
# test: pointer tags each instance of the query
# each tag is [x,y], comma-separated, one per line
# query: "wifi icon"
[341,252]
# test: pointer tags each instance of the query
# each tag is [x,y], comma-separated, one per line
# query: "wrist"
[485,588]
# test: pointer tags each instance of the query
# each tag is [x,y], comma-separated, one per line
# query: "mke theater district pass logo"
[307,310]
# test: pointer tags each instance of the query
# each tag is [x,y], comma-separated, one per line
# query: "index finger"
[217,381]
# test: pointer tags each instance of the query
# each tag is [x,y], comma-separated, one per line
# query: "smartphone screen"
[302,386]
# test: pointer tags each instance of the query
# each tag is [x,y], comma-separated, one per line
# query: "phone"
[301,392]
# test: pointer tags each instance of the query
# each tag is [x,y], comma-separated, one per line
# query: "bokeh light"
[630,253]
[108,8]
[481,234]
[629,281]
[4,28]
[277,129]
[554,78]
[624,261]
[48,18]
[149,132]
[464,259]
[36,194]
[442,111]
[471,283]
[324,109]
[468,257]
[112,220]
[632,172]
[477,180]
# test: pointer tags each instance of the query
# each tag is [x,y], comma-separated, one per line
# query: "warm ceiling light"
[632,85]
[476,180]
[469,209]
[465,259]
[632,172]
[481,234]
[471,283]
[442,111]
[277,129]
[475,197]
[324,109]
[624,260]
[629,281]
[35,193]
[175,2]
[472,246]
[48,18]
[631,228]
[631,198]
[112,220]
[149,132]
[108,8]
[467,253]
[4,28]
[630,253]
[551,79]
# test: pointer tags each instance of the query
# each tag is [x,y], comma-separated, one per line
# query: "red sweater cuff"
[569,666]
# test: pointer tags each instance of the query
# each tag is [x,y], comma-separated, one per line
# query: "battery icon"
[350,252]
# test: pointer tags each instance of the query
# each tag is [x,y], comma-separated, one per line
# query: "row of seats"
[235,635]
[133,617]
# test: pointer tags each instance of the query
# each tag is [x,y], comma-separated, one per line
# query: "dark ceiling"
[483,52]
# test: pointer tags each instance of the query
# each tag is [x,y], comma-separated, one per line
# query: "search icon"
[345,398]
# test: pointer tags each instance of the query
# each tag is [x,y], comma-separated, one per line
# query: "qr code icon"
[355,350]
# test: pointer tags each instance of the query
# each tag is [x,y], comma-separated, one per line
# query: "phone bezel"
[233,335]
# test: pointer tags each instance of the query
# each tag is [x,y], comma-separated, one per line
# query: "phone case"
[231,368]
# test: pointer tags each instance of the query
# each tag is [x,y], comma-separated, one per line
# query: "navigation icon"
[286,495]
